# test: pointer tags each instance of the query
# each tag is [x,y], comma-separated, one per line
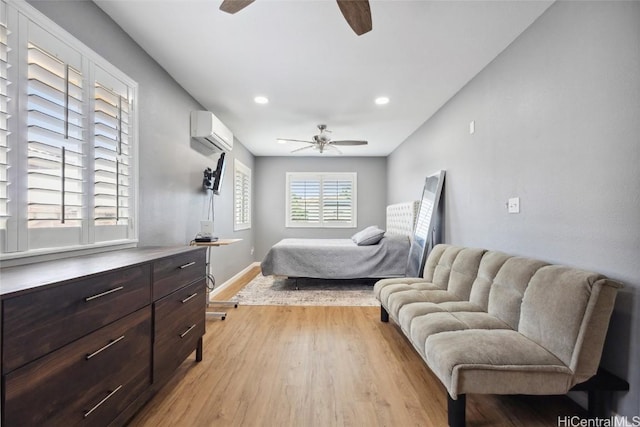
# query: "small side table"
[220,242]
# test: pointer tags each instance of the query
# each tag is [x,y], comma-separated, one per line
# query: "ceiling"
[304,57]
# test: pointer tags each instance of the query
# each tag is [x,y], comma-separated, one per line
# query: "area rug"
[277,290]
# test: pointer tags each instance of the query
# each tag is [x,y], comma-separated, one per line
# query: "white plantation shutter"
[113,156]
[337,200]
[241,196]
[4,122]
[321,199]
[304,200]
[55,141]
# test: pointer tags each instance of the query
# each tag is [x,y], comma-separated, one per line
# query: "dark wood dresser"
[88,340]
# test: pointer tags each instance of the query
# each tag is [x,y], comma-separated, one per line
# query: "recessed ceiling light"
[261,100]
[281,141]
[382,100]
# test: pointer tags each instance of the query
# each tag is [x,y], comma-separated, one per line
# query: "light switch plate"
[513,205]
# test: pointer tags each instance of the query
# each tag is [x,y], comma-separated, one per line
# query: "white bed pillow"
[369,236]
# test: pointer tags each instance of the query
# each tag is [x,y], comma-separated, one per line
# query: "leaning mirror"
[426,233]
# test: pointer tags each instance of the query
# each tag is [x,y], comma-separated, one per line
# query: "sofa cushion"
[433,259]
[491,263]
[438,265]
[464,271]
[398,299]
[557,311]
[393,288]
[459,306]
[553,307]
[505,296]
[422,327]
[410,311]
[453,274]
[494,362]
[383,283]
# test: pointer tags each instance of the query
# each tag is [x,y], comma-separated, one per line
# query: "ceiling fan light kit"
[357,13]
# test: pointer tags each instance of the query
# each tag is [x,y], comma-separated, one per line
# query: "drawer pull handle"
[86,414]
[189,297]
[112,342]
[184,334]
[110,291]
[187,265]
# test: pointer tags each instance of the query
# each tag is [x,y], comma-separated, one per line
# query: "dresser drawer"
[181,303]
[174,272]
[86,382]
[178,327]
[38,323]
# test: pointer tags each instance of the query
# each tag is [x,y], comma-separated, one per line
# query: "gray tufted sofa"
[490,323]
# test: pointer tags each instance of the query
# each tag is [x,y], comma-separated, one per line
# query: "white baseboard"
[233,279]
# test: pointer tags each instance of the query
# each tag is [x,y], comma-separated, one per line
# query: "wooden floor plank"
[322,366]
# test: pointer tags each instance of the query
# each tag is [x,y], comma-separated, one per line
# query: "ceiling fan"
[356,12]
[322,141]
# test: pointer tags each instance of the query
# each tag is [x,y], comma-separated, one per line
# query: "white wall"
[557,123]
[172,202]
[270,196]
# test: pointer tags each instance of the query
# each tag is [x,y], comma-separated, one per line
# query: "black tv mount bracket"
[207,181]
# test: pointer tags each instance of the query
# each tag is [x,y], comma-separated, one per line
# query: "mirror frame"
[426,232]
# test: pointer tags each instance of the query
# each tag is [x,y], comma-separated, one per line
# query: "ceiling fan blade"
[348,142]
[233,6]
[303,148]
[358,15]
[295,140]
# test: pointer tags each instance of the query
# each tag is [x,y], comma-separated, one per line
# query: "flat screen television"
[218,174]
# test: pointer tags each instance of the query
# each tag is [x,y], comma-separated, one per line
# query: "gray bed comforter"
[337,258]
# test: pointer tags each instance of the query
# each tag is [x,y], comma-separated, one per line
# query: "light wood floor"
[321,366]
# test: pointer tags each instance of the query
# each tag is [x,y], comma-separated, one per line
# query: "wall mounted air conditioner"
[210,131]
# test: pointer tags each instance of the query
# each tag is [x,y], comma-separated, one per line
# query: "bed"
[343,258]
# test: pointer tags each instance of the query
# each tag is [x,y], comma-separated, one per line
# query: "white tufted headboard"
[401,218]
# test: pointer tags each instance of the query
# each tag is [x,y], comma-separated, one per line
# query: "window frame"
[241,171]
[321,177]
[14,244]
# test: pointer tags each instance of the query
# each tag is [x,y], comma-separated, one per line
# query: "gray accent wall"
[171,164]
[557,123]
[270,196]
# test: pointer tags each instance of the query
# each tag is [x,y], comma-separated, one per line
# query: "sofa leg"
[597,404]
[384,315]
[599,388]
[456,410]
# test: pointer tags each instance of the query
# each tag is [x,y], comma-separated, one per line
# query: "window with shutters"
[4,119]
[321,199]
[241,196]
[67,147]
[112,156]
